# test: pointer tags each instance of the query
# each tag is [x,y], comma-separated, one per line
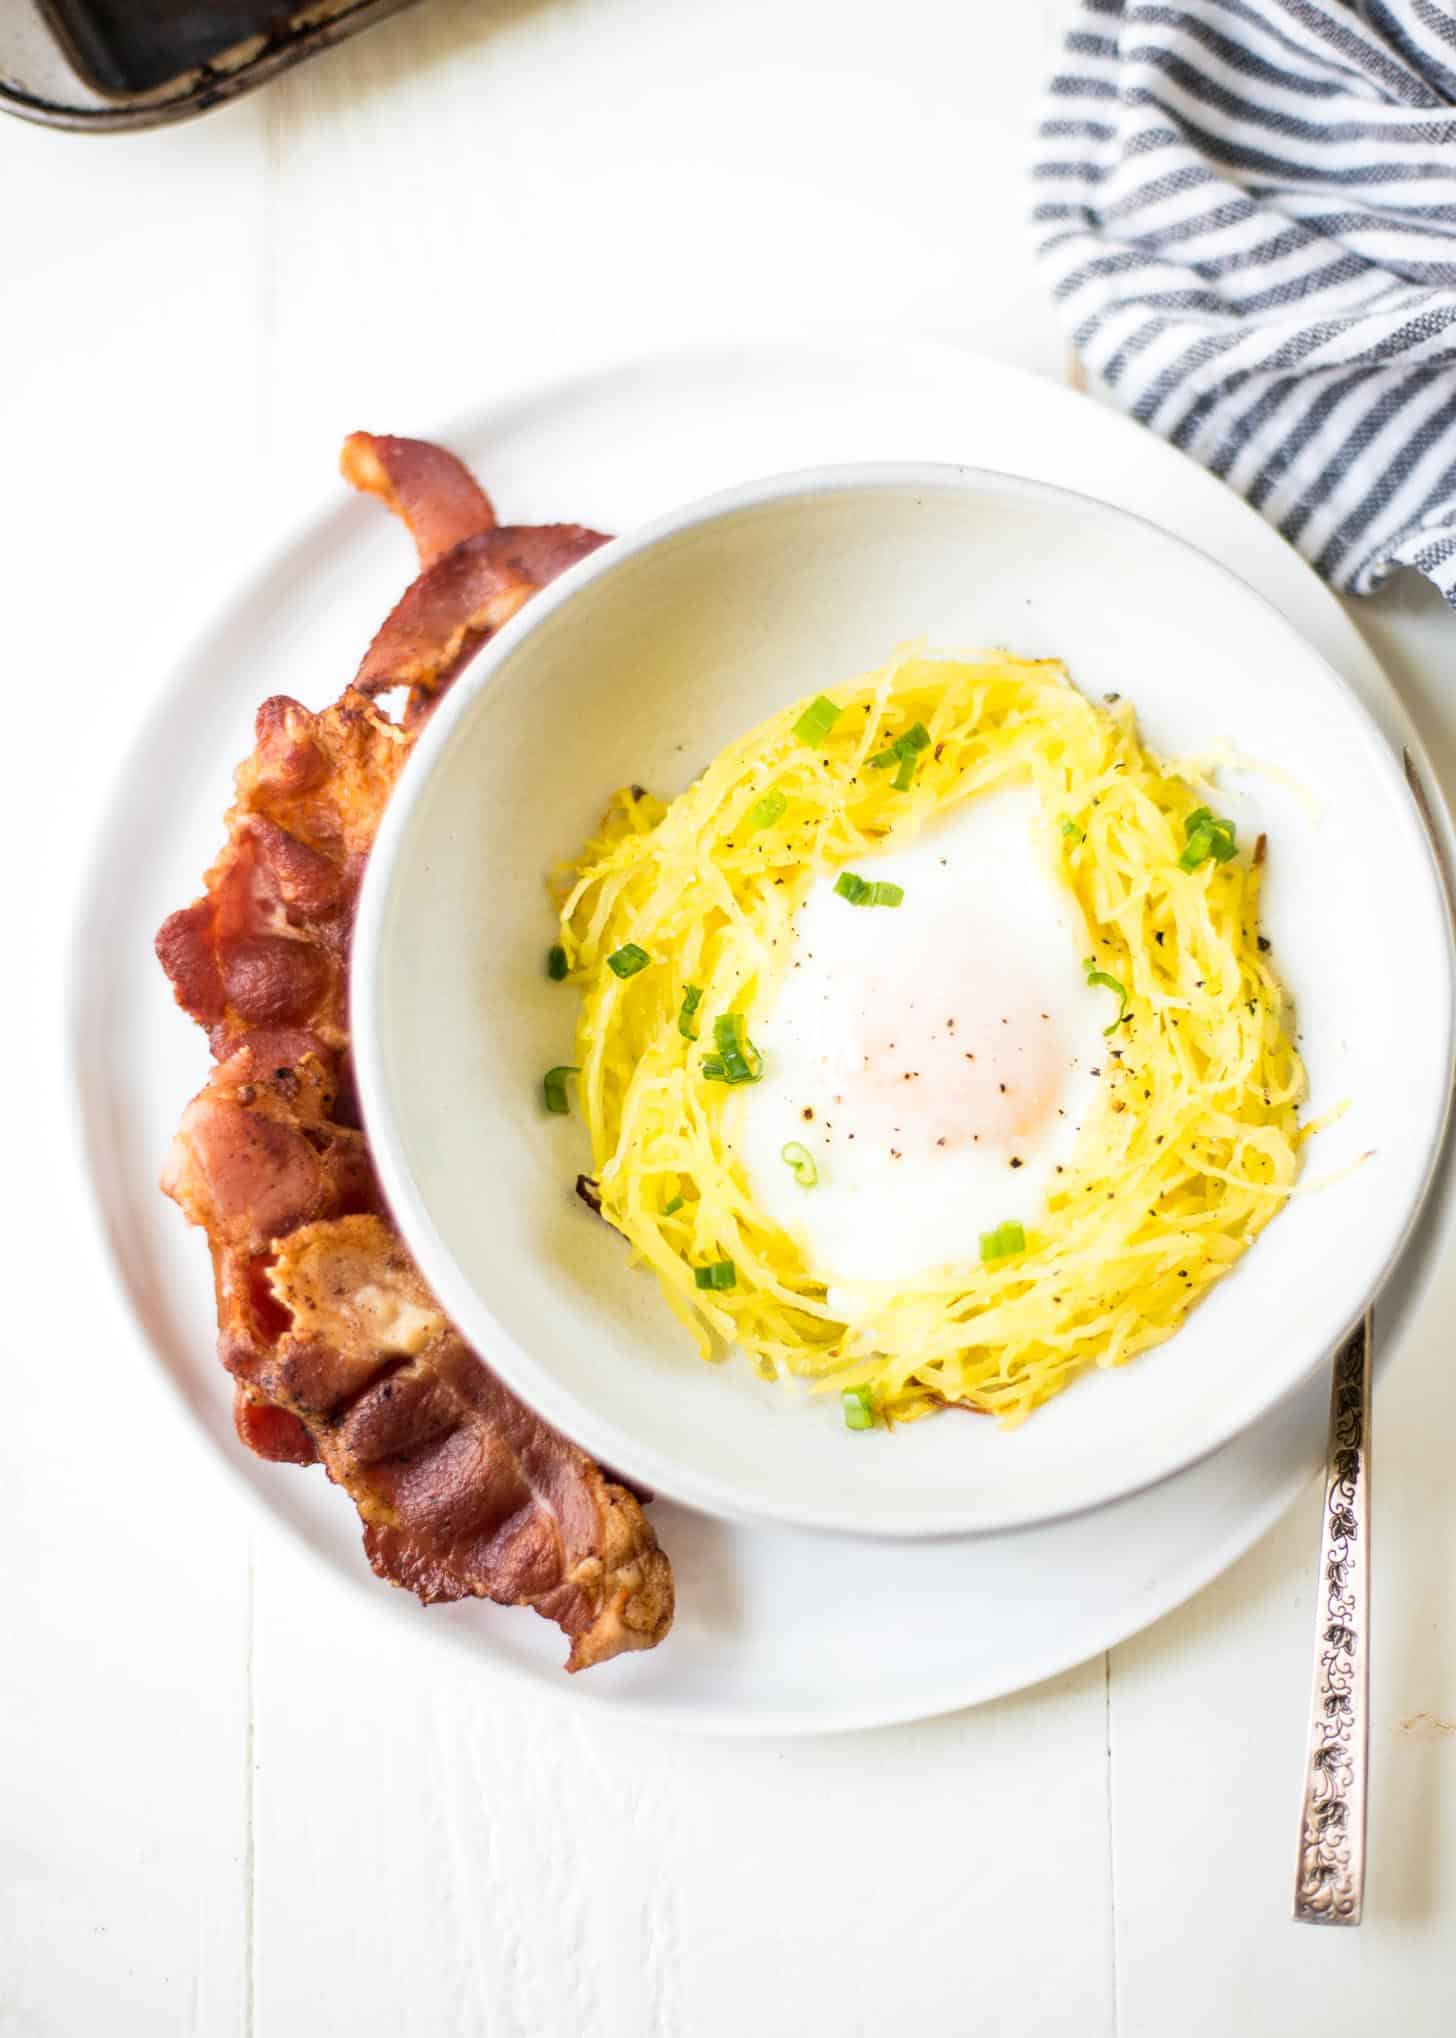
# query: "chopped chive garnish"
[768,810]
[860,892]
[728,1032]
[1070,829]
[737,1057]
[801,1161]
[554,1084]
[720,1275]
[858,1404]
[1104,982]
[915,739]
[1001,1243]
[1208,835]
[692,998]
[713,1071]
[556,963]
[627,960]
[903,751]
[671,1209]
[817,720]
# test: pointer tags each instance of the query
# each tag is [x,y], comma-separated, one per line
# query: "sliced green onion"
[1070,829]
[627,960]
[860,892]
[556,963]
[671,1209]
[768,810]
[728,1032]
[1104,982]
[903,751]
[742,1062]
[713,1070]
[858,1404]
[1000,1244]
[799,1158]
[692,998]
[915,739]
[817,719]
[720,1275]
[1208,835]
[554,1084]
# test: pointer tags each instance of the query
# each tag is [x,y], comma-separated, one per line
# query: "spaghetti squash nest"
[680,916]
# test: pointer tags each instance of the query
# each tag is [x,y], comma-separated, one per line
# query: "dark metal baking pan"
[69,64]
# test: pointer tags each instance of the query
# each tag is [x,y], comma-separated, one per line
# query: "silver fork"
[1329,1883]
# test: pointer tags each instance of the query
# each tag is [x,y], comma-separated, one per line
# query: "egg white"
[936,1059]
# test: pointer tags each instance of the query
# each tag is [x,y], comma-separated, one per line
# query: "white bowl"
[640,666]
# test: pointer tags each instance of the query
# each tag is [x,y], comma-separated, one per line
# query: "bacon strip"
[461,1488]
[267,944]
[428,489]
[340,1352]
[266,1147]
[474,575]
[270,1432]
[439,623]
[337,1349]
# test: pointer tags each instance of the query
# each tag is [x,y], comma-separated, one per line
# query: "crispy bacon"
[461,1488]
[270,1432]
[474,575]
[439,623]
[339,1352]
[263,1148]
[428,489]
[337,1349]
[267,944]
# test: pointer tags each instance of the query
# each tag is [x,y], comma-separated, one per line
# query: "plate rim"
[184,625]
[711,1493]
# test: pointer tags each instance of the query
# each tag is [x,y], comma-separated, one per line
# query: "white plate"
[779,1631]
[659,652]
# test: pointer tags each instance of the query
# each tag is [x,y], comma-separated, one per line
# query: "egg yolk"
[973,1061]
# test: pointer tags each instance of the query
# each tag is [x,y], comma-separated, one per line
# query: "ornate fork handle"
[1329,1884]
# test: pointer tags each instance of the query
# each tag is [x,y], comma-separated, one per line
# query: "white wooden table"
[227,1806]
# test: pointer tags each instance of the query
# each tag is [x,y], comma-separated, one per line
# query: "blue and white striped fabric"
[1248,209]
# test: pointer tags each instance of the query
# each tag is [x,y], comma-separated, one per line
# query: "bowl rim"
[674,1477]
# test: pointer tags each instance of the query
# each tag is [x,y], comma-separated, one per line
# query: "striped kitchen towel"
[1248,210]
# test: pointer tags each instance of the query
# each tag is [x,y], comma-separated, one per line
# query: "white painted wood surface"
[226,1807]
